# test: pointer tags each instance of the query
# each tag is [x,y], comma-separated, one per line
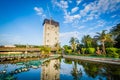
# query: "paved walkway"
[95,59]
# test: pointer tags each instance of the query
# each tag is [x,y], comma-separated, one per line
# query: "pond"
[58,69]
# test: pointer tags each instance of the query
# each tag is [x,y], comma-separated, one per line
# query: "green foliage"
[59,51]
[68,61]
[83,50]
[20,46]
[45,49]
[112,52]
[118,51]
[116,34]
[87,40]
[90,50]
[67,49]
[117,39]
[104,37]
[108,44]
[73,42]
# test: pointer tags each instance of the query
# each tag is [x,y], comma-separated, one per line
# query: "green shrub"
[59,51]
[83,50]
[118,51]
[112,52]
[115,55]
[91,50]
[69,51]
[45,49]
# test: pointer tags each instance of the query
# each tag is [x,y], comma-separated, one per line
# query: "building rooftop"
[50,21]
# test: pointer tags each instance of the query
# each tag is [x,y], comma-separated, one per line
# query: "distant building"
[51,32]
[9,46]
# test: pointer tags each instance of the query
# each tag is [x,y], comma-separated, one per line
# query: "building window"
[47,40]
[55,25]
[55,32]
[47,33]
[48,28]
[55,38]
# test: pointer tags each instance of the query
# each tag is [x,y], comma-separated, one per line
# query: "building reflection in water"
[51,70]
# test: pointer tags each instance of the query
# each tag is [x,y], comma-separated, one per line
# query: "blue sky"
[21,20]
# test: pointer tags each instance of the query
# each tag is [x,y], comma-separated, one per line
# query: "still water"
[58,69]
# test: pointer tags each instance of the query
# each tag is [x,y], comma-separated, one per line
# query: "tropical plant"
[116,34]
[75,73]
[45,50]
[103,37]
[115,30]
[83,50]
[113,52]
[87,40]
[67,49]
[91,50]
[73,41]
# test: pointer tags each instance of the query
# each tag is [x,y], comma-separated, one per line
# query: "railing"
[8,49]
[18,56]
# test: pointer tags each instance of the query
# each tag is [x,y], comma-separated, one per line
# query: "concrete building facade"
[50,32]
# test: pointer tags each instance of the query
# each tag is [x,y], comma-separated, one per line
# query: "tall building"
[51,32]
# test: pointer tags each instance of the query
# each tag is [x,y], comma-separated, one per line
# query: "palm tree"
[103,37]
[75,73]
[73,41]
[116,34]
[87,40]
[116,30]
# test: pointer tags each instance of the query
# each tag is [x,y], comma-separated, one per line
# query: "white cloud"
[108,28]
[67,15]
[68,34]
[74,9]
[70,1]
[78,2]
[101,23]
[71,18]
[113,16]
[65,37]
[40,12]
[62,4]
[81,27]
[95,9]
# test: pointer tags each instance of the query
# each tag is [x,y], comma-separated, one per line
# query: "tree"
[73,41]
[57,47]
[115,31]
[103,37]
[45,50]
[67,49]
[75,73]
[87,40]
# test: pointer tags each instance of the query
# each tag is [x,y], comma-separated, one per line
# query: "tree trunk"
[103,48]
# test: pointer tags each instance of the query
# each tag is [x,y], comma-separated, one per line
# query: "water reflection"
[58,69]
[101,71]
[20,69]
[75,72]
[85,70]
[51,70]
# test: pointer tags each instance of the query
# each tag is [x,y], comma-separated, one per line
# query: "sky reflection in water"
[59,69]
